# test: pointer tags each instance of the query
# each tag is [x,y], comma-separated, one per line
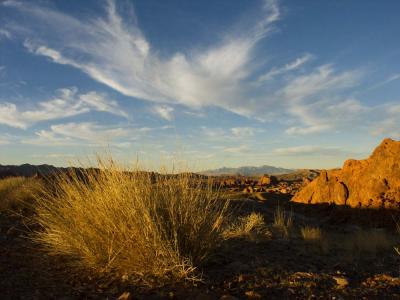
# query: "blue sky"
[299,84]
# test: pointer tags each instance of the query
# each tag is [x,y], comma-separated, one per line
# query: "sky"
[295,84]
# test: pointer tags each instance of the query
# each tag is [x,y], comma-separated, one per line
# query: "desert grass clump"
[247,226]
[148,227]
[283,221]
[311,234]
[17,193]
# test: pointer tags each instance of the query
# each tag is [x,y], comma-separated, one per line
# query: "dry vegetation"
[283,220]
[312,234]
[247,226]
[17,193]
[145,230]
[151,228]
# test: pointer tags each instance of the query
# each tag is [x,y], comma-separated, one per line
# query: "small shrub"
[149,227]
[311,234]
[283,220]
[17,192]
[246,226]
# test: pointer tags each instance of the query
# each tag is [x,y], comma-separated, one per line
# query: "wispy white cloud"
[88,131]
[213,132]
[390,125]
[74,133]
[67,103]
[237,149]
[4,33]
[387,128]
[93,134]
[244,131]
[195,113]
[232,134]
[54,155]
[99,102]
[328,114]
[390,79]
[307,130]
[323,79]
[315,100]
[286,68]
[164,111]
[310,150]
[48,138]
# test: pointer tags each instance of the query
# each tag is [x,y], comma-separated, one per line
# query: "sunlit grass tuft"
[149,227]
[17,192]
[246,226]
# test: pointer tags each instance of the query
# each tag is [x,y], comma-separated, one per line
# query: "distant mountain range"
[248,171]
[28,170]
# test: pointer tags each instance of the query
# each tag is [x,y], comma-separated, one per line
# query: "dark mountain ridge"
[248,171]
[28,170]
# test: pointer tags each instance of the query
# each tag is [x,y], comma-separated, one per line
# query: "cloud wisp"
[310,150]
[285,69]
[4,33]
[67,103]
[92,133]
[164,111]
[388,80]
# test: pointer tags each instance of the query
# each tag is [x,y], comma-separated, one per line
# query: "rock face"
[268,180]
[373,182]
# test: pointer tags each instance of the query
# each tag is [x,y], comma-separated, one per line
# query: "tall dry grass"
[283,220]
[149,227]
[17,193]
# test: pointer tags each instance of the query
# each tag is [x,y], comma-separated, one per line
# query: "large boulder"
[372,182]
[268,180]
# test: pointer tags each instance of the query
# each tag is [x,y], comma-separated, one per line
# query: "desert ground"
[351,257]
[267,246]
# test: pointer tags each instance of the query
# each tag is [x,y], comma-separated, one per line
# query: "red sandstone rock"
[268,180]
[372,182]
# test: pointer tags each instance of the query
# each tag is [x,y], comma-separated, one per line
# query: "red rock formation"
[373,182]
[268,180]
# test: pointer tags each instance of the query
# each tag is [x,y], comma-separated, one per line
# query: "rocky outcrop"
[268,180]
[373,182]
